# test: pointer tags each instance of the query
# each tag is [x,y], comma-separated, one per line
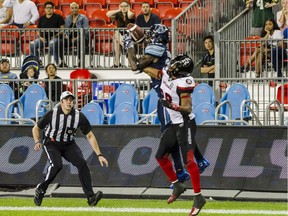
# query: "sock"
[167,167]
[194,172]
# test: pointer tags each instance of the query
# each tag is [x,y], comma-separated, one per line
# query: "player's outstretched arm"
[93,142]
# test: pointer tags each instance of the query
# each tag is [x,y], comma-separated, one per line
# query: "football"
[137,33]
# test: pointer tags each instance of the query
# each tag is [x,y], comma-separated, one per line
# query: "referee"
[60,126]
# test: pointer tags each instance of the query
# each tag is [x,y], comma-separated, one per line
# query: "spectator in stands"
[25,12]
[30,73]
[51,38]
[56,86]
[123,16]
[282,15]
[271,31]
[5,15]
[5,73]
[146,19]
[262,11]
[72,39]
[208,60]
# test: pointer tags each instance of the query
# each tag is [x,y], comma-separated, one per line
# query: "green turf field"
[128,207]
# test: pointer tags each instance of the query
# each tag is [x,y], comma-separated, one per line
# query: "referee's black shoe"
[38,197]
[95,198]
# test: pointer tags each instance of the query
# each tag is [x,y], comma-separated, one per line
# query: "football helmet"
[180,66]
[158,33]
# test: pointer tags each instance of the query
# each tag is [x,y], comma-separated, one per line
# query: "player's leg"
[168,141]
[55,161]
[74,155]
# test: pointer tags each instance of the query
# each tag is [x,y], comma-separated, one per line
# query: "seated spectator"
[5,73]
[48,38]
[147,19]
[25,13]
[72,39]
[282,15]
[56,86]
[271,31]
[5,15]
[30,73]
[123,16]
[208,60]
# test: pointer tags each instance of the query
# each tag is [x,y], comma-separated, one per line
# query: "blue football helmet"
[158,33]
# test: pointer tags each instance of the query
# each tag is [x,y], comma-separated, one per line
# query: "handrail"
[38,105]
[221,104]
[280,113]
[224,121]
[20,108]
[147,116]
[243,104]
[18,120]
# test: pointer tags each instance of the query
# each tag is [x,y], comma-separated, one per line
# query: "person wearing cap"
[60,126]
[5,73]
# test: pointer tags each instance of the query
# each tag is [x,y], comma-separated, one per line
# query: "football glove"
[169,105]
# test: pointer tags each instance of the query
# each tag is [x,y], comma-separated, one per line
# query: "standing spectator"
[25,12]
[48,38]
[72,39]
[282,15]
[262,11]
[5,73]
[5,15]
[208,61]
[123,16]
[60,126]
[147,19]
[177,85]
[55,86]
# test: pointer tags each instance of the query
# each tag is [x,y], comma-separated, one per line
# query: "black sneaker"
[199,202]
[178,189]
[95,198]
[38,197]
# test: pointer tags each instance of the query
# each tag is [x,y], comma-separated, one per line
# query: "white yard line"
[142,210]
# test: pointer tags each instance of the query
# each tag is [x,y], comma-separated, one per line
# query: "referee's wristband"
[100,155]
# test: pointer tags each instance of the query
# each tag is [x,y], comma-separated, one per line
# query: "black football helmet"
[180,66]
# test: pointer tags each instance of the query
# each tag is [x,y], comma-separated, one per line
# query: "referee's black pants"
[73,154]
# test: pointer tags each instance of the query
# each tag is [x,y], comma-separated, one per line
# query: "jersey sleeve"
[185,85]
[84,125]
[155,50]
[45,120]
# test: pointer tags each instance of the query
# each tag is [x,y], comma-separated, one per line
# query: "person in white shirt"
[25,12]
[282,15]
[5,15]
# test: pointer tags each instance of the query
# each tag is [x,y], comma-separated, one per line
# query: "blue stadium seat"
[2,113]
[204,111]
[124,93]
[149,103]
[202,93]
[29,99]
[125,113]
[93,113]
[235,95]
[6,97]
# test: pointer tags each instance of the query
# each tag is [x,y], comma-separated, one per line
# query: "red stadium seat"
[184,3]
[247,48]
[155,11]
[98,18]
[57,11]
[29,35]
[169,15]
[163,7]
[64,6]
[91,5]
[113,4]
[9,40]
[150,2]
[103,40]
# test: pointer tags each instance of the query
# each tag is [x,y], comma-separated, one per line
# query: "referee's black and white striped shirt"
[60,127]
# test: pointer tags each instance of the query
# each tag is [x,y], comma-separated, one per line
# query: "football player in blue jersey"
[157,56]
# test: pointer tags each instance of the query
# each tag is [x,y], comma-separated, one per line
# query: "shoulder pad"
[155,50]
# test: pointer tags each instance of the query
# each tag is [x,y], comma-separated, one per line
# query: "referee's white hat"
[66,94]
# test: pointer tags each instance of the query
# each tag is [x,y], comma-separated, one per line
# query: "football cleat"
[182,177]
[202,164]
[95,198]
[38,197]
[199,202]
[178,189]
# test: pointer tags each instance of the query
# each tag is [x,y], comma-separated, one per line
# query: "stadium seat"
[59,12]
[9,40]
[103,40]
[6,97]
[40,5]
[29,35]
[124,93]
[84,88]
[91,5]
[113,4]
[236,94]
[93,113]
[247,48]
[169,15]
[204,111]
[149,103]
[282,97]
[155,11]
[184,3]
[163,7]
[29,99]
[202,93]
[125,113]
[98,18]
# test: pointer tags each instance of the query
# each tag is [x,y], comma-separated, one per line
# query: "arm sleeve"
[155,50]
[85,126]
[45,120]
[8,3]
[34,12]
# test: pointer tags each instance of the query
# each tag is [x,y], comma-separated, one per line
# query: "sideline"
[142,210]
